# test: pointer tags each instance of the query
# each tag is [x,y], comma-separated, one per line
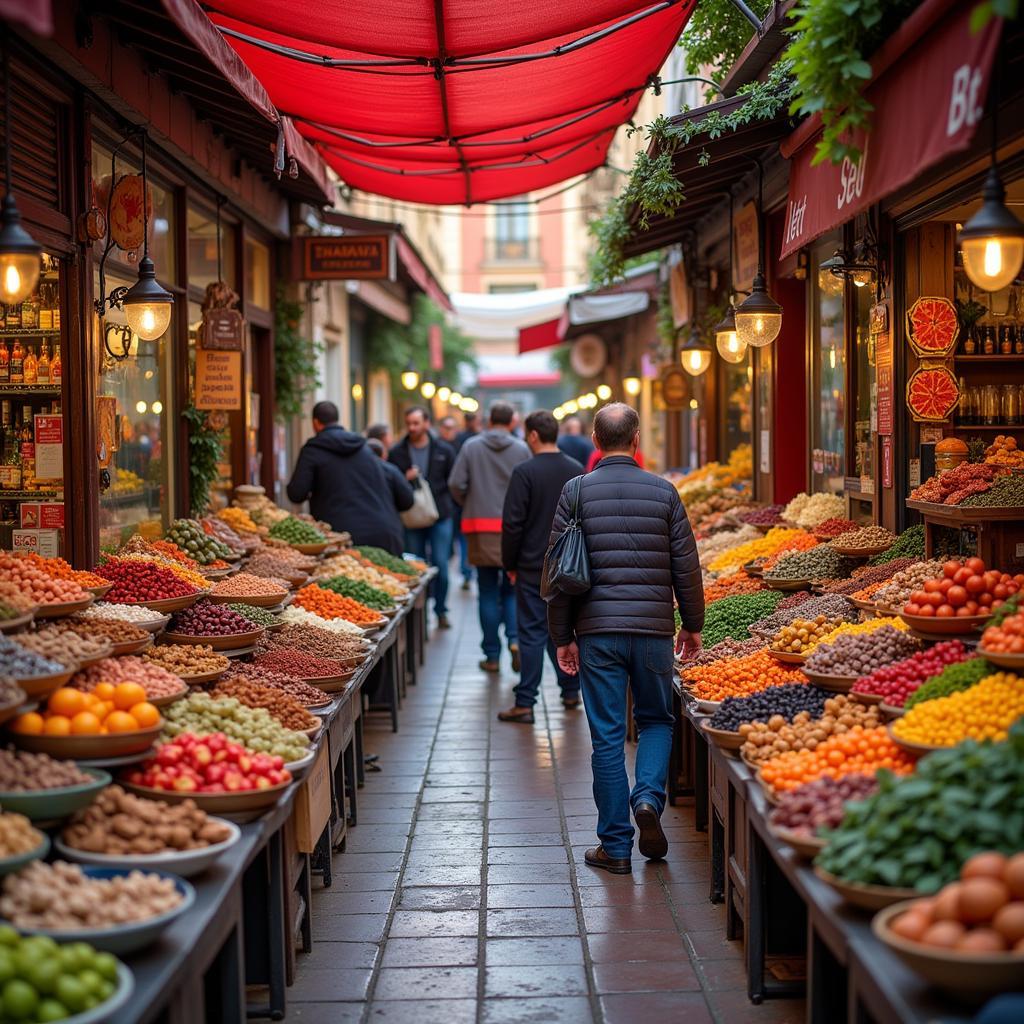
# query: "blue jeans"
[608,662]
[459,538]
[534,640]
[497,602]
[434,543]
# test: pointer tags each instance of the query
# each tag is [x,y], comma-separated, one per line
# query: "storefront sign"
[674,388]
[745,246]
[218,379]
[931,435]
[49,447]
[46,515]
[927,101]
[344,257]
[222,329]
[887,461]
[37,542]
[882,337]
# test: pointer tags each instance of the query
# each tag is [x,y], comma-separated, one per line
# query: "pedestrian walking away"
[530,502]
[346,484]
[478,483]
[572,441]
[427,461]
[471,429]
[619,632]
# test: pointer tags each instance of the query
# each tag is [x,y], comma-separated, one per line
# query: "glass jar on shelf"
[990,405]
[1010,404]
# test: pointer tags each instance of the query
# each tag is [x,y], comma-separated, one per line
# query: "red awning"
[544,335]
[526,379]
[455,102]
[36,15]
[928,91]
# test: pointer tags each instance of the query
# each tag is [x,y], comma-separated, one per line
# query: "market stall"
[851,734]
[185,747]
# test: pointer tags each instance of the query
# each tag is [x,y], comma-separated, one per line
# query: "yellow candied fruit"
[769,544]
[985,711]
[867,626]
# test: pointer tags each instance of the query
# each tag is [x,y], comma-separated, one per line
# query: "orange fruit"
[66,701]
[91,700]
[57,725]
[128,694]
[102,708]
[120,721]
[105,691]
[146,714]
[85,723]
[29,724]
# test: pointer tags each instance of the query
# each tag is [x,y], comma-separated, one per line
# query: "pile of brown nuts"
[17,834]
[308,696]
[866,537]
[246,584]
[313,640]
[187,659]
[116,631]
[64,644]
[288,711]
[118,822]
[25,772]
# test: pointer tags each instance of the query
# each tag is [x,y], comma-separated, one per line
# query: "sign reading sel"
[218,379]
[344,257]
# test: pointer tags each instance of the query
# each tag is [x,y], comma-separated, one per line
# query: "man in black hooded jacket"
[346,484]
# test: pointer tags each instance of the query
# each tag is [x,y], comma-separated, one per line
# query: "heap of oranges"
[737,677]
[108,708]
[858,750]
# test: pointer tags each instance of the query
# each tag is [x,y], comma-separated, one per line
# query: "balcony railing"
[513,250]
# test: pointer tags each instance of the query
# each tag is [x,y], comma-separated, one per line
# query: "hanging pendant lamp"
[727,341]
[759,316]
[695,355]
[19,252]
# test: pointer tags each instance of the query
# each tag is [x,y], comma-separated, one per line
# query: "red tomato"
[972,607]
[957,596]
[934,600]
[999,591]
[944,611]
[985,600]
[912,608]
[963,612]
[932,586]
[945,585]
[950,568]
[962,575]
[927,610]
[975,584]
[976,565]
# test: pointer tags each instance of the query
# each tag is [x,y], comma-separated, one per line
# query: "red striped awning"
[460,101]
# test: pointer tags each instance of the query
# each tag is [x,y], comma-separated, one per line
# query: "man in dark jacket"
[642,554]
[427,461]
[530,501]
[346,483]
[573,443]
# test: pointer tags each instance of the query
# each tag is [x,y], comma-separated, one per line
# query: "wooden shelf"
[989,359]
[35,332]
[30,389]
[1006,428]
[27,495]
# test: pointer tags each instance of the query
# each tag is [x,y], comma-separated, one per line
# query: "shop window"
[257,274]
[135,390]
[220,492]
[828,375]
[512,239]
[737,419]
[202,250]
[864,400]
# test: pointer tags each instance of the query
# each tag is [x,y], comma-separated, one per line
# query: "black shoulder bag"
[567,565]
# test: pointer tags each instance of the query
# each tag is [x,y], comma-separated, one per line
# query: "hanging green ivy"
[665,321]
[984,12]
[832,40]
[393,347]
[716,35]
[296,359]
[654,189]
[204,455]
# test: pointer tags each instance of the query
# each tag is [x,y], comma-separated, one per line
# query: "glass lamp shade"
[19,256]
[429,389]
[695,356]
[604,392]
[410,378]
[444,393]
[147,304]
[992,241]
[758,317]
[729,346]
[632,386]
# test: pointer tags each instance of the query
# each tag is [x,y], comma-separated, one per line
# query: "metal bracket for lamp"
[124,332]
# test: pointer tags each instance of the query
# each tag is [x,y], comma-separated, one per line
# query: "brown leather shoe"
[597,858]
[517,714]
[570,702]
[490,666]
[653,845]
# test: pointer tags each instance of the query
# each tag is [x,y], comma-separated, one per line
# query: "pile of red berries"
[896,682]
[136,581]
[208,619]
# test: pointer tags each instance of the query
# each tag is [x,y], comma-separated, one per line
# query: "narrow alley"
[462,895]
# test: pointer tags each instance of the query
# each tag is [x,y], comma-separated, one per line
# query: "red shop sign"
[928,94]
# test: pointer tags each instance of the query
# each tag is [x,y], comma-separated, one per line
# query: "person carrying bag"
[424,509]
[567,564]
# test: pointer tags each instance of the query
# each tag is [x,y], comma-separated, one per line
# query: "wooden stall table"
[1000,531]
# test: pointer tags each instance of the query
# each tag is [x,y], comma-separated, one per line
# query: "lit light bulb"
[357,392]
[157,407]
[444,393]
[604,392]
[148,320]
[19,272]
[455,398]
[572,406]
[12,281]
[694,403]
[559,413]
[429,389]
[410,378]
[993,257]
[141,407]
[832,358]
[632,386]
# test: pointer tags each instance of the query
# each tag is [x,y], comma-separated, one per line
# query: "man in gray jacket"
[478,482]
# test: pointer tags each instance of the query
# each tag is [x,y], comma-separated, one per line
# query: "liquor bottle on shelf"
[56,367]
[10,470]
[12,317]
[989,344]
[17,363]
[43,370]
[30,312]
[27,450]
[31,367]
[5,363]
[970,343]
[1006,340]
[45,306]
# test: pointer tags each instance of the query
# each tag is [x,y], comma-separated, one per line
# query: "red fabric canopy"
[459,101]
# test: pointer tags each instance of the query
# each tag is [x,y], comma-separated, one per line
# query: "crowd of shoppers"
[508,501]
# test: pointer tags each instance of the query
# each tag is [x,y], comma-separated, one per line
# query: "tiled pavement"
[462,897]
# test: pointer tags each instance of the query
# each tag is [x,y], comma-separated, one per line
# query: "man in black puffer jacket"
[642,554]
